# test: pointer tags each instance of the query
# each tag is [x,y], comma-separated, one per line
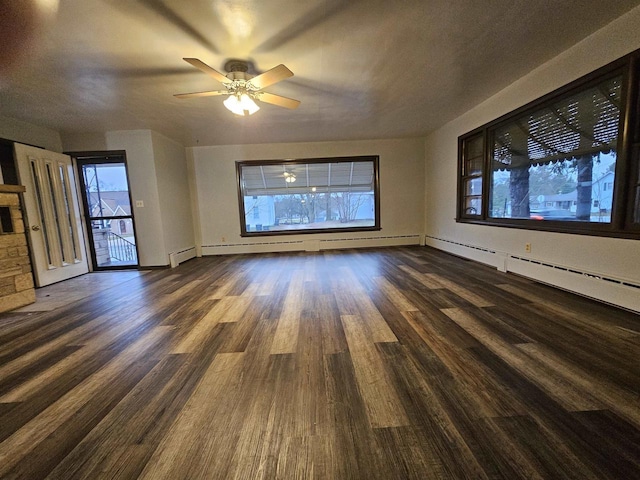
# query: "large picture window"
[308,196]
[563,163]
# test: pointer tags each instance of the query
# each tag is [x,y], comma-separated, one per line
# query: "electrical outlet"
[224,239]
[527,247]
[139,204]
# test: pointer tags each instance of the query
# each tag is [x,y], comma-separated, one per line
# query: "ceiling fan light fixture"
[241,104]
[233,105]
[248,105]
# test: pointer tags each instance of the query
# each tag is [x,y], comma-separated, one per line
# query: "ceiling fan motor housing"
[236,65]
[237,70]
[239,76]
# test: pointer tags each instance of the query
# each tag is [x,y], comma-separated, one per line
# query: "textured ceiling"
[363,69]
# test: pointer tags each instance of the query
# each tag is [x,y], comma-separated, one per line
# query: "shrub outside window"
[308,196]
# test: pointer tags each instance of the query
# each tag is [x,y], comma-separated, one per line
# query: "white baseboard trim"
[479,254]
[181,256]
[311,245]
[624,293]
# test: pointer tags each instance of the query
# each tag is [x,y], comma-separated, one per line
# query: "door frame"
[102,157]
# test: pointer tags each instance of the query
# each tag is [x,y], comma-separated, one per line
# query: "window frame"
[464,175]
[374,159]
[627,157]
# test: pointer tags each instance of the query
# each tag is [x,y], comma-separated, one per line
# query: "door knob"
[35,228]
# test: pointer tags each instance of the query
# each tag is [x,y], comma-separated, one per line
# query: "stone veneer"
[16,279]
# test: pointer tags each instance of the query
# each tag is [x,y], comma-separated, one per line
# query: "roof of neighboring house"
[113,203]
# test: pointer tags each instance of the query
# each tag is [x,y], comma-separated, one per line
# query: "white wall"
[611,257]
[142,179]
[216,203]
[84,142]
[23,132]
[174,195]
[158,176]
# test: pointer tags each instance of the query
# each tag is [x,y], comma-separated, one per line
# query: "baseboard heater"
[181,256]
[474,252]
[311,245]
[616,291]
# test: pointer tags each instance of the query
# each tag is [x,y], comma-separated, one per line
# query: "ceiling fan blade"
[212,93]
[203,67]
[278,100]
[275,75]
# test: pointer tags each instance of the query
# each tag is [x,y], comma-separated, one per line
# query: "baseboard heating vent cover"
[181,256]
[590,275]
[312,244]
[388,237]
[474,247]
[218,245]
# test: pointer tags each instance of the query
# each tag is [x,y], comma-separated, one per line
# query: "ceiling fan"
[243,88]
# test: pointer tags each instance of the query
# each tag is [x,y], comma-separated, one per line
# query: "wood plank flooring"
[396,363]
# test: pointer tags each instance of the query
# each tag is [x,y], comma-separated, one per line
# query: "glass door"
[108,212]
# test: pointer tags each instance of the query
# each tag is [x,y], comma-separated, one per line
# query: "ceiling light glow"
[241,105]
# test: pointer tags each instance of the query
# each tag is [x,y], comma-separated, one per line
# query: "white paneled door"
[52,215]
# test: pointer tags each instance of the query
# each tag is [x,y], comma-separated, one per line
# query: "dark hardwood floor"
[397,363]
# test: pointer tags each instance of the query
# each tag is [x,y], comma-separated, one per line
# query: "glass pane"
[473,147]
[559,162]
[552,191]
[114,242]
[107,189]
[269,179]
[43,224]
[308,196]
[473,186]
[68,209]
[474,166]
[473,206]
[107,194]
[473,155]
[304,211]
[636,206]
[56,209]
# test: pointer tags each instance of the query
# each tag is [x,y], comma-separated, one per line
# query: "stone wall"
[16,279]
